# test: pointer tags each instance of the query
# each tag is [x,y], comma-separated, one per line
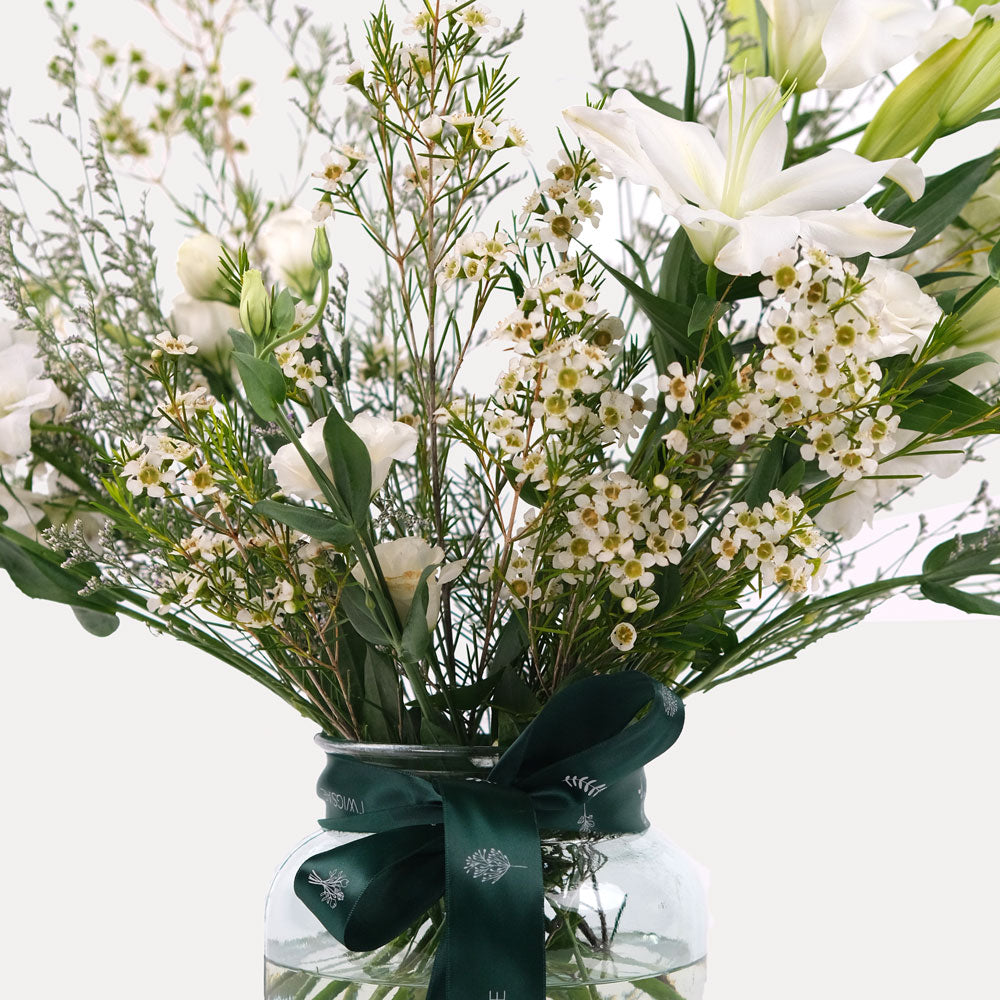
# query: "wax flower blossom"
[730,191]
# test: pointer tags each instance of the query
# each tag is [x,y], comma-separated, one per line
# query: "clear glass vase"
[626,915]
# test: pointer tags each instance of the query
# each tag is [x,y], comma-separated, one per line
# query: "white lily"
[838,44]
[729,190]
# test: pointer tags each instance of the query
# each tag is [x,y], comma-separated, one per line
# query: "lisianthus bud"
[944,92]
[322,256]
[255,305]
[198,268]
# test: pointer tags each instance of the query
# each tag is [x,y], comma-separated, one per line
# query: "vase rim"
[347,747]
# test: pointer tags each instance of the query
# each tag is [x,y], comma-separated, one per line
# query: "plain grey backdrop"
[844,803]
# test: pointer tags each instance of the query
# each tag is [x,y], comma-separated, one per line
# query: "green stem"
[300,331]
[712,281]
[799,610]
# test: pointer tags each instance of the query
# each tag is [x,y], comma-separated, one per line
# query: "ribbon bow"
[577,767]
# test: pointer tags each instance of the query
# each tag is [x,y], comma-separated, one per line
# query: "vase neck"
[424,761]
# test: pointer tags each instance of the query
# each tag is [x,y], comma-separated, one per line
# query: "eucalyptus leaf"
[316,524]
[365,620]
[263,384]
[350,465]
[242,342]
[97,623]
[282,313]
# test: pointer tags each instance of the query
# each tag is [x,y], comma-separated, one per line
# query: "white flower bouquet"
[297,466]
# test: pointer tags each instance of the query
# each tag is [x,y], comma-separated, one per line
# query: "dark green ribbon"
[577,767]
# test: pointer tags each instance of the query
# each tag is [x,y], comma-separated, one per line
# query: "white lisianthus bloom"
[23,393]
[386,440]
[206,325]
[403,562]
[286,241]
[729,190]
[850,511]
[198,267]
[906,315]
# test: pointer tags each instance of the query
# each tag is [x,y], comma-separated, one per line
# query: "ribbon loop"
[576,768]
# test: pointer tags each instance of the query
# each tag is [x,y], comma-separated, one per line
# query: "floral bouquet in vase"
[490,510]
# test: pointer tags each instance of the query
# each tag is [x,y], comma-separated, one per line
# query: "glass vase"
[625,915]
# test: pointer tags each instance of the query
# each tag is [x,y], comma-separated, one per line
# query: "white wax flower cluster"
[776,540]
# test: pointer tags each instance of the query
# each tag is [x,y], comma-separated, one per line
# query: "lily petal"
[831,180]
[612,137]
[685,154]
[854,230]
[863,38]
[757,238]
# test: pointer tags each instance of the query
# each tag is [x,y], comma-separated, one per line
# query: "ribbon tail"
[368,892]
[494,936]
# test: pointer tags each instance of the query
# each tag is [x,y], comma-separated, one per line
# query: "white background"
[845,803]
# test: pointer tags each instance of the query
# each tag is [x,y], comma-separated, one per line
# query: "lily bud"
[944,92]
[322,256]
[255,305]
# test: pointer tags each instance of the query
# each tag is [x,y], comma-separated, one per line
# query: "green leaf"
[382,697]
[511,644]
[944,197]
[668,587]
[679,271]
[97,623]
[467,697]
[938,374]
[792,478]
[691,79]
[670,322]
[770,464]
[658,104]
[316,524]
[516,284]
[37,572]
[993,261]
[416,638]
[961,557]
[263,384]
[242,342]
[353,599]
[350,464]
[949,409]
[972,604]
[283,313]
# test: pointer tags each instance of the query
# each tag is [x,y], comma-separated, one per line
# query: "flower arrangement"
[667,471]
